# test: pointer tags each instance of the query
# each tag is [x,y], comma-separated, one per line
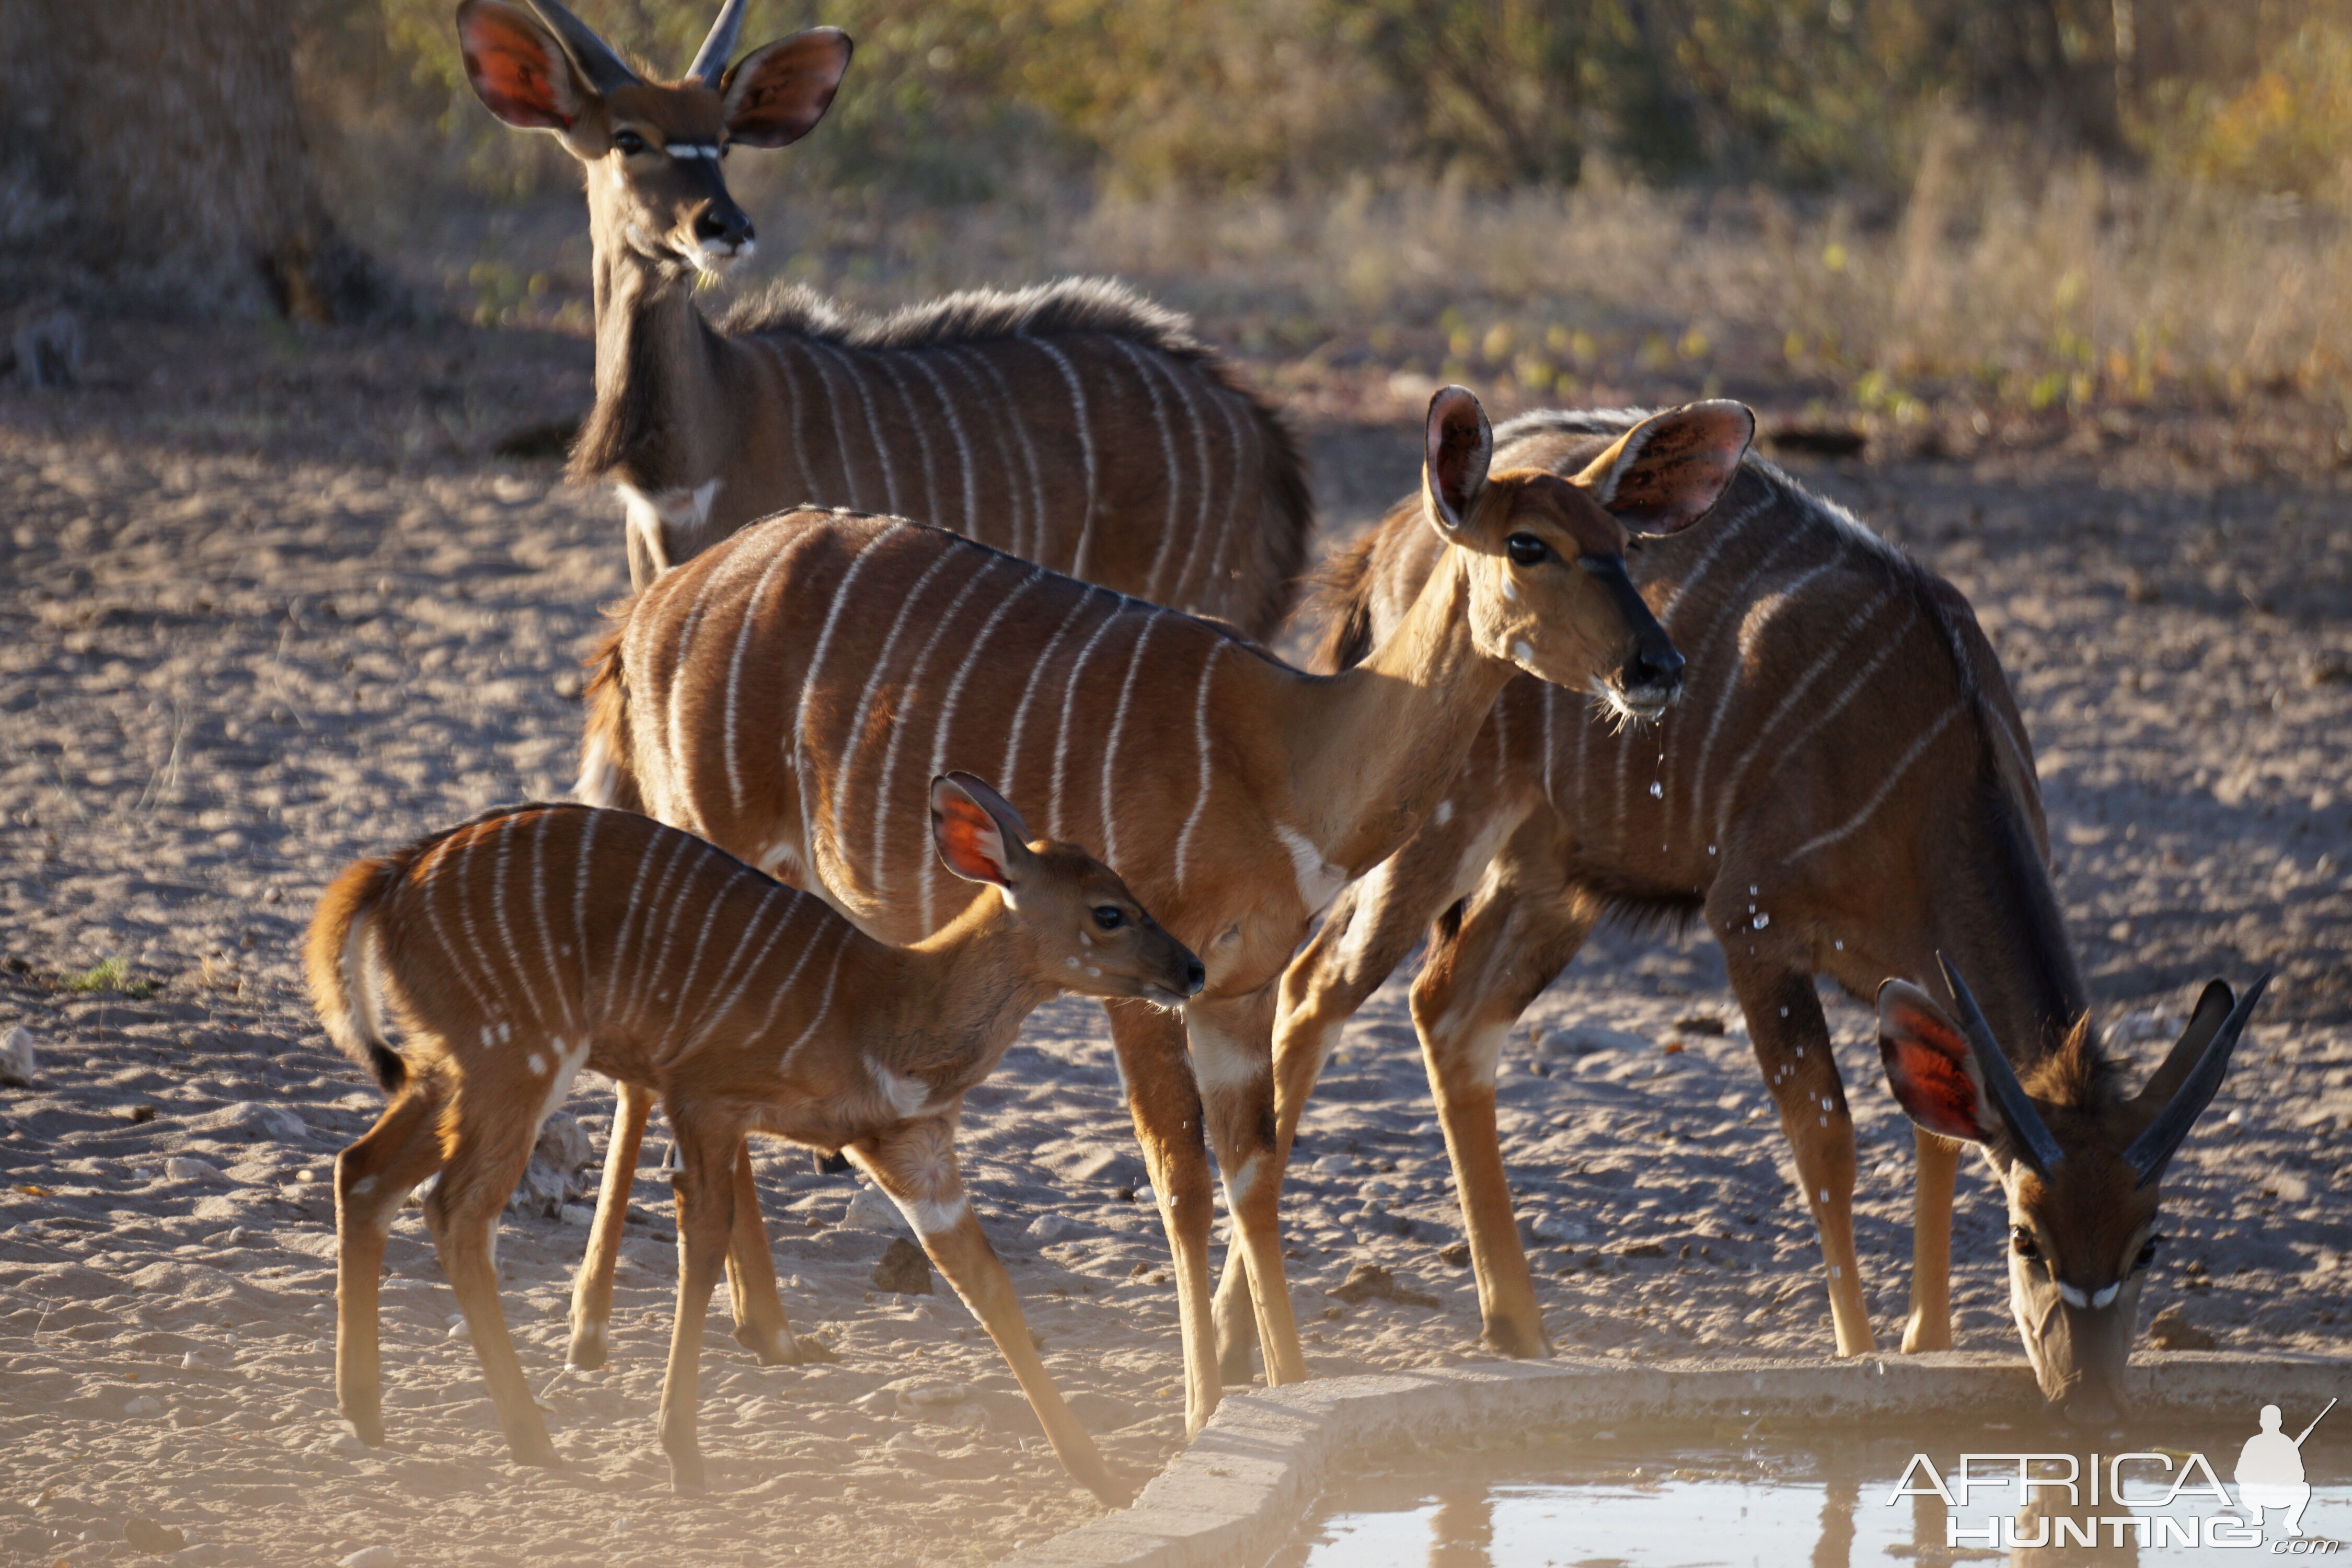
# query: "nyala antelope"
[784,694]
[1846,789]
[537,941]
[1074,424]
[2078,1160]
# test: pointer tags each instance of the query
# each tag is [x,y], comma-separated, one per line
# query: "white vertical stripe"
[1719,536]
[1118,727]
[686,812]
[1087,451]
[889,363]
[427,885]
[881,447]
[714,893]
[773,898]
[916,843]
[1551,695]
[1727,612]
[647,960]
[1219,589]
[777,560]
[1183,384]
[1885,786]
[795,752]
[1014,417]
[499,872]
[825,1002]
[463,878]
[883,668]
[584,966]
[1002,482]
[1069,705]
[1836,705]
[823,920]
[1005,777]
[940,733]
[620,948]
[1758,616]
[1851,627]
[778,348]
[968,466]
[837,446]
[1200,750]
[1151,589]
[553,971]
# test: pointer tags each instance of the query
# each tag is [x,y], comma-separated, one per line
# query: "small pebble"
[903,1269]
[142,1405]
[18,1061]
[180,1168]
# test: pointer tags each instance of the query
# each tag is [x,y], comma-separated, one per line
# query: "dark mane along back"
[1066,306]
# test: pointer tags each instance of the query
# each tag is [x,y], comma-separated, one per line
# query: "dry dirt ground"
[266,604]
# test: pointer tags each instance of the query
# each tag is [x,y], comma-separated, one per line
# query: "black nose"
[1653,668]
[723,223]
[1195,977]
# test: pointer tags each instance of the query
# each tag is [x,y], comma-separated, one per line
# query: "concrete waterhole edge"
[1239,1490]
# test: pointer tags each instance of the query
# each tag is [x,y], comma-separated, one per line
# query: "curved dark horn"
[2034,1142]
[711,61]
[2153,1149]
[589,55]
[2213,1004]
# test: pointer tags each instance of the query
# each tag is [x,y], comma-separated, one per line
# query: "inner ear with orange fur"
[979,836]
[1928,1065]
[515,68]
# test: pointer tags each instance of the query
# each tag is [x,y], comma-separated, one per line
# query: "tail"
[335,962]
[605,778]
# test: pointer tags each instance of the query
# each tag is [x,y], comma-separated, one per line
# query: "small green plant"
[111,975]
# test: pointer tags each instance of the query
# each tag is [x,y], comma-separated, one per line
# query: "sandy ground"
[268,604]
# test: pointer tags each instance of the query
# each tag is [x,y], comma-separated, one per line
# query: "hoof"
[772,1349]
[1236,1368]
[368,1428]
[1517,1340]
[685,1477]
[541,1456]
[587,1354]
[1108,1491]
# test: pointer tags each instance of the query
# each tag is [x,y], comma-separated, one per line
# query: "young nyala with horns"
[535,942]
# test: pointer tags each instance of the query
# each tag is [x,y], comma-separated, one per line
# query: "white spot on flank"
[1318,881]
[1092,971]
[1072,960]
[1444,812]
[489,1036]
[1523,652]
[1825,1194]
[905,1095]
[537,1065]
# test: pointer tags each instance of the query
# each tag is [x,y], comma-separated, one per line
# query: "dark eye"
[1109,916]
[2147,1253]
[629,143]
[2021,1242]
[1526,550]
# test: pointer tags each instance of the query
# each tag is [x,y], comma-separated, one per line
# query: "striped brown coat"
[1074,424]
[785,694]
[1846,789]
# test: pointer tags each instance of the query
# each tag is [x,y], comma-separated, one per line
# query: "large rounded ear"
[1930,1067]
[979,836]
[519,70]
[1458,444]
[778,92]
[1664,473]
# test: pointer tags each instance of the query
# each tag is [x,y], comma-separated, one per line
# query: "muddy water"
[1722,1500]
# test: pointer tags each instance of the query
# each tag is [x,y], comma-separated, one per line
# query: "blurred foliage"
[962,100]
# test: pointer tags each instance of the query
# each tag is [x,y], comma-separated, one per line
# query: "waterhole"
[1735,1497]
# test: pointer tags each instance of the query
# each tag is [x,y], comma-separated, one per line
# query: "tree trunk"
[151,153]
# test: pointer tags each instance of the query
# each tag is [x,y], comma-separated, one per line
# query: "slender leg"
[373,1178]
[463,1215]
[1792,1045]
[1486,962]
[915,1163]
[1930,1324]
[1367,931]
[1233,1045]
[1166,1105]
[761,1325]
[592,1288]
[704,1188]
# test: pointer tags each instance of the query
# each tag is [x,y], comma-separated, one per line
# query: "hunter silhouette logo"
[2157,1499]
[2270,1471]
